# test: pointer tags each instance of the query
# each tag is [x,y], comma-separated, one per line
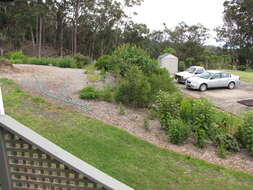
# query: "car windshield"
[205,75]
[191,70]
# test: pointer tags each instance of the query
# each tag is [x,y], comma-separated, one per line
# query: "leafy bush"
[82,60]
[121,109]
[245,135]
[16,55]
[227,122]
[228,142]
[168,107]
[186,110]
[127,56]
[134,90]
[181,66]
[89,93]
[160,80]
[67,62]
[105,62]
[178,131]
[201,136]
[203,113]
[146,124]
[107,93]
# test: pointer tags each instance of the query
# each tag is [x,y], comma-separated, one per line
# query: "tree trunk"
[61,41]
[32,38]
[40,36]
[76,16]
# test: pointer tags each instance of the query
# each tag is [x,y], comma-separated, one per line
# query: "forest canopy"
[97,27]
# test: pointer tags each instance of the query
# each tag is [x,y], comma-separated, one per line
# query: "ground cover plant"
[178,114]
[133,161]
[77,61]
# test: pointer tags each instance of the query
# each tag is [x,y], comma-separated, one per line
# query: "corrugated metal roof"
[61,155]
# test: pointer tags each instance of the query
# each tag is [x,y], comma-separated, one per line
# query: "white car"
[181,77]
[213,79]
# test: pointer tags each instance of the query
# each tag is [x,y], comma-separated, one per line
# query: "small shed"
[169,62]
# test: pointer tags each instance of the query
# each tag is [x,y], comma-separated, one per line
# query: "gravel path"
[65,83]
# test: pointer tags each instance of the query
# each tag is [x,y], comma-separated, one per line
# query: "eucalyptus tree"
[237,31]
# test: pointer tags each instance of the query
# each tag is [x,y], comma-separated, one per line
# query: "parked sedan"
[213,79]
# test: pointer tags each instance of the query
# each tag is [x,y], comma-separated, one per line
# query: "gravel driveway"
[224,98]
[64,83]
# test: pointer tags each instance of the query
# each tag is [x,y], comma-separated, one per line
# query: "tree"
[237,31]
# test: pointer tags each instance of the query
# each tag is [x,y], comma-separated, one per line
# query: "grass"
[135,162]
[91,75]
[245,76]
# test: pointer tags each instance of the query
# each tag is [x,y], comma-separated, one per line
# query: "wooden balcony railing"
[30,162]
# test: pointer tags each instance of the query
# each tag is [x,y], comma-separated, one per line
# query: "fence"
[29,161]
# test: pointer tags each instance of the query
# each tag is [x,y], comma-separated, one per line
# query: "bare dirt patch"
[64,83]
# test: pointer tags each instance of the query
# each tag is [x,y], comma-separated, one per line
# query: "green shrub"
[81,60]
[105,62]
[134,89]
[200,136]
[146,124]
[186,110]
[128,55]
[229,123]
[16,55]
[16,61]
[203,113]
[168,107]
[181,66]
[67,62]
[89,93]
[222,152]
[37,61]
[246,132]
[160,80]
[107,93]
[121,109]
[228,142]
[178,131]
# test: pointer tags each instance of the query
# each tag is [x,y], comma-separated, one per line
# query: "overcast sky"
[154,13]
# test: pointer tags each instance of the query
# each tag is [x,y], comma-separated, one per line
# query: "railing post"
[1,103]
[5,180]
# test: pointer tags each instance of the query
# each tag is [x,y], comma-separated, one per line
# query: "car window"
[217,76]
[225,75]
[191,70]
[199,71]
[205,75]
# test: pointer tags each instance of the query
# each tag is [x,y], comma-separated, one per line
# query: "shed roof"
[167,55]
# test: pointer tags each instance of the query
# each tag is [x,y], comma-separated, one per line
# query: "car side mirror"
[212,78]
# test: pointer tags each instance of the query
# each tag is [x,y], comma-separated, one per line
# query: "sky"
[154,13]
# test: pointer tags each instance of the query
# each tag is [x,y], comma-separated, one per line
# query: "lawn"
[245,76]
[131,160]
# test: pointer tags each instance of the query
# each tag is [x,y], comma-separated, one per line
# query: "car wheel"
[203,87]
[231,85]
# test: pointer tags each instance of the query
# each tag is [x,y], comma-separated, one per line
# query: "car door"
[225,79]
[215,81]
